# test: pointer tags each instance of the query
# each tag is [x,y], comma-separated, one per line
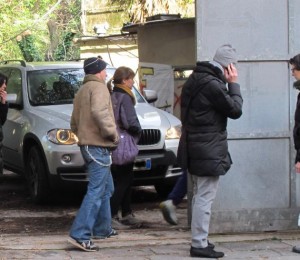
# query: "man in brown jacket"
[94,124]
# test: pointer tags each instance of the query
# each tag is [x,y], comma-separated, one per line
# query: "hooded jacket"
[92,118]
[209,105]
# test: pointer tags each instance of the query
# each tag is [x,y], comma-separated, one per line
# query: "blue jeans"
[180,189]
[94,215]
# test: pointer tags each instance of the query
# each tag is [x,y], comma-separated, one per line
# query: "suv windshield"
[53,86]
[58,86]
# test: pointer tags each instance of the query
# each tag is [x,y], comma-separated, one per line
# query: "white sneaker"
[168,210]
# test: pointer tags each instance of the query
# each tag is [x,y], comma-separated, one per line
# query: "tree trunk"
[52,27]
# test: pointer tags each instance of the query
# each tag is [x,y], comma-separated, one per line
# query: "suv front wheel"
[36,175]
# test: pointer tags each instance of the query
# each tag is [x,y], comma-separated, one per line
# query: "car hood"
[149,116]
[55,113]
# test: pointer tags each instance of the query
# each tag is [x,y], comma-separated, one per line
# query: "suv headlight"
[62,136]
[174,132]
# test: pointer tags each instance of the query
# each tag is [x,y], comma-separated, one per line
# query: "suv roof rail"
[22,62]
[79,59]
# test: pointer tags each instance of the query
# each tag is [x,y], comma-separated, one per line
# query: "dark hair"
[295,61]
[120,74]
[3,79]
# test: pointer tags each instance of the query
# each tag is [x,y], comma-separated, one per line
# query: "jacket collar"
[91,77]
[209,68]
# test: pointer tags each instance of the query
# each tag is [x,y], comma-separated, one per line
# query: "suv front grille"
[149,137]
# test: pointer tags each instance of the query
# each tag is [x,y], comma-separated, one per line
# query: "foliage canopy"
[44,29]
[25,31]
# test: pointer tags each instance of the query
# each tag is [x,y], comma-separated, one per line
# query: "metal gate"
[261,191]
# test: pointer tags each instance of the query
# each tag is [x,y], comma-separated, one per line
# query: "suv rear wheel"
[36,175]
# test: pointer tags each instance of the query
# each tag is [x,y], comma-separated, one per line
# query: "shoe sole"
[75,243]
[206,256]
[167,216]
[212,254]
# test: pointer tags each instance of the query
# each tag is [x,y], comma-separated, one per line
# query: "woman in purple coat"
[123,102]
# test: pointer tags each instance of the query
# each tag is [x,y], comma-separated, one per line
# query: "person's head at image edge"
[225,59]
[295,69]
[95,66]
[3,81]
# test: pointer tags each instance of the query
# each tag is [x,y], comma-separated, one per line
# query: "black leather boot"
[207,252]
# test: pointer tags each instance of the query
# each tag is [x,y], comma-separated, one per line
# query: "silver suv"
[38,141]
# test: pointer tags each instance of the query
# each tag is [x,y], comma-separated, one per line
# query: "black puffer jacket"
[296,131]
[3,116]
[206,121]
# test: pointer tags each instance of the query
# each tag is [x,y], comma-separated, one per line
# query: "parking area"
[18,214]
[31,231]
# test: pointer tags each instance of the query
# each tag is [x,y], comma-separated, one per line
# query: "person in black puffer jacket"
[295,69]
[3,114]
[207,101]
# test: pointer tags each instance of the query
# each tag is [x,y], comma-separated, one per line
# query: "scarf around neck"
[127,90]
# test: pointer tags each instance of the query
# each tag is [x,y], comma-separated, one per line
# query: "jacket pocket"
[226,163]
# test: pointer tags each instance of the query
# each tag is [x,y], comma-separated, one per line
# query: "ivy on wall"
[26,43]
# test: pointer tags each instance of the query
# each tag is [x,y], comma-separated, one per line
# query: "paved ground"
[154,244]
[28,231]
[156,241]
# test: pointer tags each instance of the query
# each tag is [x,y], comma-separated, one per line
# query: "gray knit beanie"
[225,55]
[94,65]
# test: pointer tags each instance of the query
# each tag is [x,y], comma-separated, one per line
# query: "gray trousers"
[204,193]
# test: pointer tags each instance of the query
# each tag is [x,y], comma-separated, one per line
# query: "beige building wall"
[116,50]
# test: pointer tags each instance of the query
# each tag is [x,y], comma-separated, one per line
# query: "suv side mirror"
[11,98]
[13,102]
[150,95]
